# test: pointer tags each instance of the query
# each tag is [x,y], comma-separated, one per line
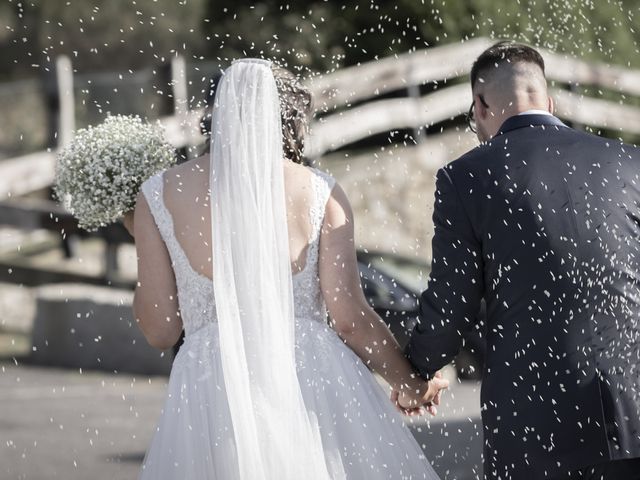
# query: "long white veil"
[275,436]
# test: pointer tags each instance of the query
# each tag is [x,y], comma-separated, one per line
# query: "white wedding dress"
[363,436]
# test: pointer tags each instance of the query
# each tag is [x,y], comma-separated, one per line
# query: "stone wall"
[80,326]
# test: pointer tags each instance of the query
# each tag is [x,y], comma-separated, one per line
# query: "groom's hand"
[444,384]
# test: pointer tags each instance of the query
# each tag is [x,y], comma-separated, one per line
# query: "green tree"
[319,35]
[98,34]
[322,35]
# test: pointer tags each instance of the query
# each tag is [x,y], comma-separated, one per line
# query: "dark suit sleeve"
[450,304]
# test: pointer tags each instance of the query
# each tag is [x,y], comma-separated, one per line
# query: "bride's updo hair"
[295,110]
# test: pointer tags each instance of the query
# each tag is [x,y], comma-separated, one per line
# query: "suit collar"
[533,120]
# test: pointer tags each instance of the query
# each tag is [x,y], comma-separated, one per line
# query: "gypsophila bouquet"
[99,174]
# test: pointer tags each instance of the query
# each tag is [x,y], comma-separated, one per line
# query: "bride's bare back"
[186,195]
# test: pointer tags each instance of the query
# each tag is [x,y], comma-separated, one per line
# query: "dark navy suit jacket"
[542,221]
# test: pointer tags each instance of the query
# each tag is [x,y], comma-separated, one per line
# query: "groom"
[543,221]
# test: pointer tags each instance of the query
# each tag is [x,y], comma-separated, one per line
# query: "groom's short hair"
[505,51]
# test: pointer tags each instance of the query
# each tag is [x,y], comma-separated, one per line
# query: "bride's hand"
[408,404]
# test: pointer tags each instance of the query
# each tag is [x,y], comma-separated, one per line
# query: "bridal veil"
[274,435]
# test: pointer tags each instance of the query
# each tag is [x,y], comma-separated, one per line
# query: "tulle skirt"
[363,437]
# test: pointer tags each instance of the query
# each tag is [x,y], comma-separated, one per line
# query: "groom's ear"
[551,107]
[482,111]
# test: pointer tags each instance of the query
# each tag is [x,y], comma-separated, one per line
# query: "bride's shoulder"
[330,191]
[196,168]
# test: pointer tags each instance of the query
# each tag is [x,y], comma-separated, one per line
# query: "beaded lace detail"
[307,296]
[195,291]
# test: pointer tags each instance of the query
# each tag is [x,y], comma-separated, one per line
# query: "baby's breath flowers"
[99,174]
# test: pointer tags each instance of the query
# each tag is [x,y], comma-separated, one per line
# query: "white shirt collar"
[535,112]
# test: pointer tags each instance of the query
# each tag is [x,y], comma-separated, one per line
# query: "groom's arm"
[450,304]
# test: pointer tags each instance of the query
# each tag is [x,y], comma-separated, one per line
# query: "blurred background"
[81,390]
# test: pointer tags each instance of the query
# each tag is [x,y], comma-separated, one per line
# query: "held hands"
[408,404]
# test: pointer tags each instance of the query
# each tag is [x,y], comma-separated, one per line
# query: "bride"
[246,250]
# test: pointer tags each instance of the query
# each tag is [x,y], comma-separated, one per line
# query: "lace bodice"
[195,291]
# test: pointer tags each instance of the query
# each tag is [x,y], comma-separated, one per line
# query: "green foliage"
[318,35]
[97,34]
[594,30]
[322,35]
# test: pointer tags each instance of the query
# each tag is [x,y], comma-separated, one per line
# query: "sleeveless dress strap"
[153,189]
[322,184]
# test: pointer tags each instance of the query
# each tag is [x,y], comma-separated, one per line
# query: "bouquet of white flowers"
[99,174]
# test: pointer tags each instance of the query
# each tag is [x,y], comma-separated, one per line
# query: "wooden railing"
[353,104]
[342,123]
[336,92]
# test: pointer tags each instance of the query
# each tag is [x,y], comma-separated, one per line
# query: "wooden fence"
[352,104]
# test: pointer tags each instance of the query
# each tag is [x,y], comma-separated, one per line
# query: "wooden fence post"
[66,113]
[181,103]
[574,89]
[179,86]
[419,130]
[65,124]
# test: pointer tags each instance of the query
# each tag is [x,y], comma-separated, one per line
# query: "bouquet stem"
[127,221]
